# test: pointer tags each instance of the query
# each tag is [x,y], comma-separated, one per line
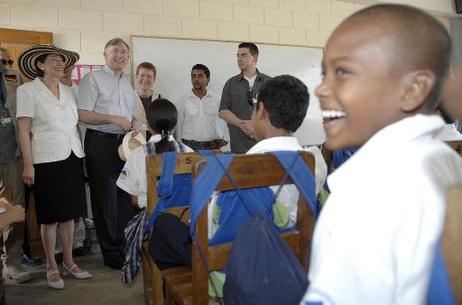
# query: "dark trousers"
[170,244]
[111,206]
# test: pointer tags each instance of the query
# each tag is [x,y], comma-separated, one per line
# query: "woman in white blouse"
[52,152]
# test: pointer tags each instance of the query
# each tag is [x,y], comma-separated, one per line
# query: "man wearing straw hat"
[106,102]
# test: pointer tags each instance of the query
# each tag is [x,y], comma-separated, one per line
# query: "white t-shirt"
[375,238]
[251,80]
[133,179]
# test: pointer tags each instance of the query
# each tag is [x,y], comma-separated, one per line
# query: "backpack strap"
[165,185]
[205,184]
[301,176]
[440,290]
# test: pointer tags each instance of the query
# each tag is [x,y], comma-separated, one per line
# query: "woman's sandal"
[58,284]
[82,275]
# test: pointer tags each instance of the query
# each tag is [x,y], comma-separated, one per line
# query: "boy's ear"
[260,110]
[419,85]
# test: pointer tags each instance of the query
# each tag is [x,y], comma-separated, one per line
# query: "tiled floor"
[105,288]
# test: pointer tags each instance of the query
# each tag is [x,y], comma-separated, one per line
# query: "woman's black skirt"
[59,190]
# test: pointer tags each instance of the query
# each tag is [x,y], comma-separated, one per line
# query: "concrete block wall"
[85,25]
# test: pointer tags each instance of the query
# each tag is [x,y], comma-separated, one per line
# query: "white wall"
[85,25]
[442,8]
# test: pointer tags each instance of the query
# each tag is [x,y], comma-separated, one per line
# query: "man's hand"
[247,128]
[14,213]
[28,174]
[136,127]
[122,122]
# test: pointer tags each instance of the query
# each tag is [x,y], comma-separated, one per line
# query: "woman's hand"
[28,175]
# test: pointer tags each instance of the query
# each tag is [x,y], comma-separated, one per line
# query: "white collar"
[41,85]
[450,133]
[157,137]
[191,94]
[387,139]
[407,129]
[275,144]
[113,73]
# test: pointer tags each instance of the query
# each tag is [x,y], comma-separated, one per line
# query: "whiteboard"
[174,59]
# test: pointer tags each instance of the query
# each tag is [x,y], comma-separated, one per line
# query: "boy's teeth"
[331,114]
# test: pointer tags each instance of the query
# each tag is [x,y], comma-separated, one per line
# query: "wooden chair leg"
[157,285]
[147,281]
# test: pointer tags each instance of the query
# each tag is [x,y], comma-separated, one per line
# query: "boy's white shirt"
[133,179]
[289,194]
[375,238]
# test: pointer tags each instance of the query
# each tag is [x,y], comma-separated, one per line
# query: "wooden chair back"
[452,239]
[248,171]
[152,277]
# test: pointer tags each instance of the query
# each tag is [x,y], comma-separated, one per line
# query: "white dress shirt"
[375,238]
[54,122]
[133,179]
[107,92]
[198,118]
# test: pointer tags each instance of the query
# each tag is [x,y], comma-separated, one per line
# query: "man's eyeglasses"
[250,99]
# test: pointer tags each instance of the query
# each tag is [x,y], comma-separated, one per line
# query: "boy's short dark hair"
[421,41]
[116,41]
[286,100]
[146,65]
[203,68]
[253,49]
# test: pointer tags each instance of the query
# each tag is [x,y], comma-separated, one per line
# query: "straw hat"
[129,143]
[28,57]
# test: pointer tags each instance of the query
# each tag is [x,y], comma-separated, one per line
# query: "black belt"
[214,144]
[105,134]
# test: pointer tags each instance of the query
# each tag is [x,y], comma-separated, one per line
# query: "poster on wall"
[80,70]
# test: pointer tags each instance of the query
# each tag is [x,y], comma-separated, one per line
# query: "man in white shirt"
[106,102]
[199,126]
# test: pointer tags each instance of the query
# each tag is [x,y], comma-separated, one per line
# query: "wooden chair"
[249,171]
[452,240]
[152,278]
